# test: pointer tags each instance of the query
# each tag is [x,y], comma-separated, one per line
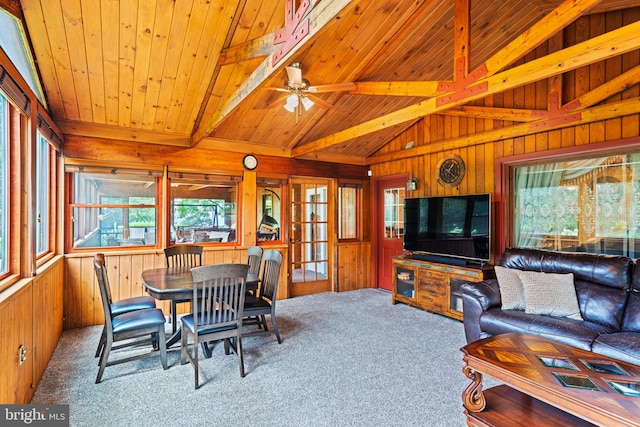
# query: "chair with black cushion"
[131,329]
[124,305]
[181,256]
[219,291]
[256,308]
[254,259]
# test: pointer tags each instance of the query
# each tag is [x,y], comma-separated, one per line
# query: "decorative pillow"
[550,293]
[511,290]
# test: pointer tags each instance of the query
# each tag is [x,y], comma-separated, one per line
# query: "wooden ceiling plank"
[95,70]
[319,16]
[610,44]
[110,12]
[542,30]
[215,32]
[144,41]
[179,25]
[190,51]
[159,44]
[59,44]
[126,59]
[589,115]
[34,18]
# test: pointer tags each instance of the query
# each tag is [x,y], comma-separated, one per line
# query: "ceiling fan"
[300,92]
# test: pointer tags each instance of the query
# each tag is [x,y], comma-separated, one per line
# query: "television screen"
[450,226]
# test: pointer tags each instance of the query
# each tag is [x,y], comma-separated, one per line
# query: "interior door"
[389,226]
[311,241]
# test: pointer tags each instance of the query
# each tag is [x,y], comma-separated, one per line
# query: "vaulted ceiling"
[199,72]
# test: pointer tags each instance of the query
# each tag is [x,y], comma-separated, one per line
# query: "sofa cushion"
[511,291]
[550,293]
[573,332]
[631,320]
[621,345]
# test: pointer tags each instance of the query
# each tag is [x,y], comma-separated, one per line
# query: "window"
[348,210]
[113,207]
[270,206]
[44,190]
[4,185]
[589,205]
[203,208]
[394,213]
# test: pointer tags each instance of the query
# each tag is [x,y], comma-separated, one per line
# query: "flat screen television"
[457,228]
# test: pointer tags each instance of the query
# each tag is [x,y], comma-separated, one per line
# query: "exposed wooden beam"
[422,89]
[495,113]
[244,147]
[461,34]
[590,115]
[610,88]
[256,48]
[319,16]
[599,48]
[121,133]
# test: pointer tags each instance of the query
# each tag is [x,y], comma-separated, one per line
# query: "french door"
[311,236]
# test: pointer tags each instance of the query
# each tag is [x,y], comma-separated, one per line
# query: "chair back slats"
[184,256]
[270,274]
[105,292]
[254,259]
[221,289]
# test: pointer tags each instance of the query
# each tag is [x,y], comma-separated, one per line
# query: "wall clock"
[451,170]
[250,162]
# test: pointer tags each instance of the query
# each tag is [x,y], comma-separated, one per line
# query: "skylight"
[13,42]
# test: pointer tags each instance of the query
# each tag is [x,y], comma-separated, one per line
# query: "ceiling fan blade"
[295,76]
[335,87]
[278,102]
[279,89]
[321,102]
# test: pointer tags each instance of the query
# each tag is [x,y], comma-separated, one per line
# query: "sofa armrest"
[478,297]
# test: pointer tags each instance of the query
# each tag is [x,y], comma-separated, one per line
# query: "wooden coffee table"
[547,383]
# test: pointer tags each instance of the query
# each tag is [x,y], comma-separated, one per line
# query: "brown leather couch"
[608,291]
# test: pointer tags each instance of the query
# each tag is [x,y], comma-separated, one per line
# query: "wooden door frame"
[377,181]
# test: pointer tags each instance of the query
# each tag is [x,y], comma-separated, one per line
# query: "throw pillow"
[552,294]
[511,290]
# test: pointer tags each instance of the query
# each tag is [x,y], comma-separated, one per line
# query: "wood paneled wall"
[354,266]
[435,131]
[30,317]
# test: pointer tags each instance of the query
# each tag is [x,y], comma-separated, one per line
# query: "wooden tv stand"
[434,286]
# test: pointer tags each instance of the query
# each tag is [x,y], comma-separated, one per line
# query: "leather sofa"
[608,293]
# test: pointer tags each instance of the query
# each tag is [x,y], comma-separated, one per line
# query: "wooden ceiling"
[196,72]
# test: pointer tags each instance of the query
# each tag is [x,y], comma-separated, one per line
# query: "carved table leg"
[472,396]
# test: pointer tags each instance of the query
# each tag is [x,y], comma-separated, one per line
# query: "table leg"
[472,396]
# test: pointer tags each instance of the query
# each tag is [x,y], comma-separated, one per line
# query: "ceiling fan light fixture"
[307,103]
[292,103]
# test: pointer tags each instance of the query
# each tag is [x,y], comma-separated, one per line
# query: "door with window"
[389,226]
[311,236]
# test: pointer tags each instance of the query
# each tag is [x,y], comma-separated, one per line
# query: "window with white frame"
[203,207]
[44,157]
[113,206]
[348,210]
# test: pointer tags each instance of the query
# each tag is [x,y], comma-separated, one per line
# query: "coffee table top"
[596,388]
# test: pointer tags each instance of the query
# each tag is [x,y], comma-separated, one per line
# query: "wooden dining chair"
[218,312]
[131,329]
[121,306]
[254,259]
[257,308]
[181,256]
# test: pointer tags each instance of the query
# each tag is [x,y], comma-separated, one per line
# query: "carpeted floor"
[347,359]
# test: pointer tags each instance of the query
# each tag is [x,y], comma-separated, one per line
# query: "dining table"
[176,283]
